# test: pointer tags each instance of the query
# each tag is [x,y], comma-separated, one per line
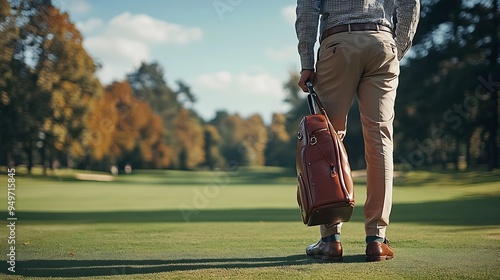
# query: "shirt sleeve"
[306,27]
[408,13]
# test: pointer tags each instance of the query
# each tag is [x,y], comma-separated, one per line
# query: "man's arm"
[408,13]
[306,27]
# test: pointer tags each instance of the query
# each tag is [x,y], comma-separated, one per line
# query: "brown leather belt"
[355,27]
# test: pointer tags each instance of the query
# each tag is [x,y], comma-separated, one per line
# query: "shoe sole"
[327,258]
[378,258]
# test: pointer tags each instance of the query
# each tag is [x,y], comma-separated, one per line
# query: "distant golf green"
[241,224]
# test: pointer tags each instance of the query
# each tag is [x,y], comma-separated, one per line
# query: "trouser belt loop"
[378,28]
[349,28]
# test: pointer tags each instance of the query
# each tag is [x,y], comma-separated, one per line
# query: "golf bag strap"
[312,99]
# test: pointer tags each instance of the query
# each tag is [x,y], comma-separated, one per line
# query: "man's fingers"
[306,75]
[303,87]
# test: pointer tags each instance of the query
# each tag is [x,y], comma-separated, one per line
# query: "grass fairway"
[242,224]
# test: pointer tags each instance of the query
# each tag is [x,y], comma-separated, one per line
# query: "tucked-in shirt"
[330,13]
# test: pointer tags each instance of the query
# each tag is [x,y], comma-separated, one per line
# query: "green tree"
[243,140]
[213,140]
[297,102]
[187,98]
[149,85]
[9,33]
[24,107]
[455,52]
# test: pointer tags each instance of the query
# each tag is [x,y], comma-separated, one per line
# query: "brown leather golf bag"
[325,191]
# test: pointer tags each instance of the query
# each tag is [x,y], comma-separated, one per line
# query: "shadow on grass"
[238,176]
[433,177]
[473,211]
[86,268]
[477,210]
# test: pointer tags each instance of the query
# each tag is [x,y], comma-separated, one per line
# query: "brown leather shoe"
[379,251]
[329,251]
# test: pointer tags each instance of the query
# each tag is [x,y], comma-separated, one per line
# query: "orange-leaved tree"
[137,137]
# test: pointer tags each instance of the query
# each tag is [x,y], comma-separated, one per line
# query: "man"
[360,49]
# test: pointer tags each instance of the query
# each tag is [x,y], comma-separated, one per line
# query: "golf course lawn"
[240,224]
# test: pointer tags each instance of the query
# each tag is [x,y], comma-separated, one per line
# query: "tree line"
[54,111]
[447,107]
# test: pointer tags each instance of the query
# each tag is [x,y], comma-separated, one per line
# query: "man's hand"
[306,75]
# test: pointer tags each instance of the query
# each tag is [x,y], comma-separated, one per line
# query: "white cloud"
[90,25]
[126,40]
[285,54]
[260,84]
[117,56]
[289,13]
[146,28]
[219,80]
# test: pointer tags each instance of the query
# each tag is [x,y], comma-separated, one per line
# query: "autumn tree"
[101,124]
[184,132]
[190,135]
[278,151]
[54,81]
[255,140]
[137,136]
[232,132]
[67,72]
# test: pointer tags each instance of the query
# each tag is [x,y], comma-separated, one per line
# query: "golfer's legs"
[376,95]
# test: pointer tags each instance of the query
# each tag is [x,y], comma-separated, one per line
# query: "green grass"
[243,224]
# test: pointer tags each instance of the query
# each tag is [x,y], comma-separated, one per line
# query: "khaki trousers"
[365,64]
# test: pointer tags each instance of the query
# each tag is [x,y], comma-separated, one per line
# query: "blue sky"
[235,54]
